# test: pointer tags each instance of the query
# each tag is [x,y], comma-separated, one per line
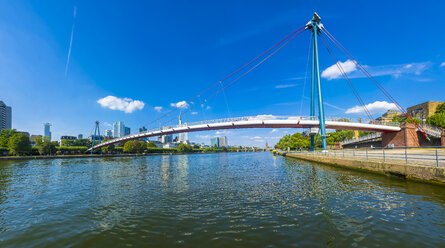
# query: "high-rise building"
[118,129]
[184,138]
[5,116]
[47,130]
[219,142]
[142,129]
[214,141]
[166,138]
[223,142]
[127,131]
[80,136]
[108,133]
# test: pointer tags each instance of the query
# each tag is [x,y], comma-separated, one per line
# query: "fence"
[432,156]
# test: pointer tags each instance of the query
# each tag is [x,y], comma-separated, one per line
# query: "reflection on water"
[239,199]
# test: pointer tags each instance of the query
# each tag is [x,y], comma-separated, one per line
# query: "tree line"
[18,144]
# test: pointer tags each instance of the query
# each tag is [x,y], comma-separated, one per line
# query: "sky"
[71,63]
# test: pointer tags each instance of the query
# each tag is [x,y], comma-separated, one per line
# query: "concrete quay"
[423,173]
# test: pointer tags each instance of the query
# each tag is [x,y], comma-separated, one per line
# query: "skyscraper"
[108,133]
[118,129]
[47,130]
[5,116]
[127,131]
[166,138]
[223,141]
[214,141]
[183,138]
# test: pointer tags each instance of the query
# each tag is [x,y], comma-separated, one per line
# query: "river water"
[212,200]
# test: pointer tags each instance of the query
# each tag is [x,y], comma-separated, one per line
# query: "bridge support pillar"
[405,137]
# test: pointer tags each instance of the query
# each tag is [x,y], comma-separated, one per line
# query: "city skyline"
[134,94]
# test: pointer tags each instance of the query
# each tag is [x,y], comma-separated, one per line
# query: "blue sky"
[164,52]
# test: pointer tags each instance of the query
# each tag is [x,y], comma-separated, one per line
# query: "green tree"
[196,147]
[5,134]
[185,148]
[19,144]
[151,145]
[403,119]
[45,146]
[82,142]
[440,108]
[215,146]
[108,149]
[294,141]
[224,148]
[129,147]
[67,142]
[134,146]
[437,120]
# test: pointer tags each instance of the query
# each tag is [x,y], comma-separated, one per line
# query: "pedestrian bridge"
[261,121]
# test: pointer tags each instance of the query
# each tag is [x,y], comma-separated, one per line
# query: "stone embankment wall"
[420,173]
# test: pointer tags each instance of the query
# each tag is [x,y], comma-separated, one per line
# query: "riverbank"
[97,155]
[426,174]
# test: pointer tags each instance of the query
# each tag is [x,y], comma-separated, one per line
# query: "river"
[212,200]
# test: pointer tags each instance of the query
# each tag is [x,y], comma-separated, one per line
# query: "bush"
[134,146]
[184,148]
[3,151]
[45,146]
[437,120]
[162,150]
[151,145]
[18,144]
[72,149]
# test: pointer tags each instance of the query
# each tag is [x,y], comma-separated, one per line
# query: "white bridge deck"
[260,121]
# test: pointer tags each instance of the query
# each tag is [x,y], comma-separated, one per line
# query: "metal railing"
[431,156]
[257,117]
[274,117]
[431,130]
[363,138]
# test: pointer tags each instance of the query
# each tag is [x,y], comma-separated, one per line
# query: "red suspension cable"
[342,71]
[385,92]
[244,74]
[222,80]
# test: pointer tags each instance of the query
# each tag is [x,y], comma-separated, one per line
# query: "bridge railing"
[370,136]
[431,130]
[257,117]
[274,117]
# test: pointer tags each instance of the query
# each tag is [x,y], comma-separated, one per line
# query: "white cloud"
[442,65]
[71,42]
[158,108]
[274,130]
[332,72]
[224,132]
[396,70]
[194,113]
[375,107]
[208,107]
[107,124]
[283,86]
[181,104]
[127,105]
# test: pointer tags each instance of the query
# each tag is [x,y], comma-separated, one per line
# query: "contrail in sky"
[71,42]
